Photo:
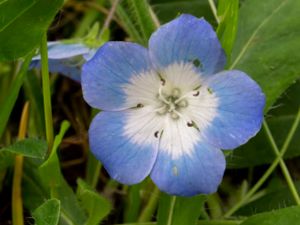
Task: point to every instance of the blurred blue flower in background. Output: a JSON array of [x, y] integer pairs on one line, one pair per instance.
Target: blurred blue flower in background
[[65, 58], [169, 109]]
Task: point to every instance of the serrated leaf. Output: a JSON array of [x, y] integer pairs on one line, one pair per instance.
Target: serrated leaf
[[47, 213], [95, 205], [22, 25], [287, 216], [30, 147], [267, 46]]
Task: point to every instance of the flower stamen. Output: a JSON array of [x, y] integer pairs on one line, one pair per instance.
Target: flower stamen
[[161, 96], [194, 93]]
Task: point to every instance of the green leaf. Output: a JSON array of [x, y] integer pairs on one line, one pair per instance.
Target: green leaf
[[142, 16], [167, 10], [133, 203], [34, 192], [95, 205], [34, 94], [287, 216], [6, 160], [187, 210], [47, 213], [228, 14], [30, 147], [51, 176], [267, 46], [277, 196], [10, 99], [129, 25], [180, 210], [52, 163], [22, 25]]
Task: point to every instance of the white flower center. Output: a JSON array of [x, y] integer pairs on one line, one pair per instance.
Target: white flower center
[[172, 105]]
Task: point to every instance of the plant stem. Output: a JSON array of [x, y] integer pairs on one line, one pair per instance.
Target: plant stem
[[283, 166], [150, 207], [214, 10], [46, 92], [170, 218], [269, 170], [109, 17], [17, 202], [96, 175]]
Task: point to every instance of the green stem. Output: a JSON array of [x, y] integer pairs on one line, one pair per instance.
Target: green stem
[[149, 210], [283, 166], [253, 189], [96, 175], [109, 17], [46, 92], [213, 202], [214, 10], [269, 170], [170, 218]]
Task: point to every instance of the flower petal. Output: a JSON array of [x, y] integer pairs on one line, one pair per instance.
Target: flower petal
[[124, 159], [187, 39], [201, 171], [69, 67], [60, 50], [66, 59], [240, 109], [104, 76]]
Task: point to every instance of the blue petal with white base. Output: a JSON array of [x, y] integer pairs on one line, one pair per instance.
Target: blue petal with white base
[[187, 39], [109, 70], [240, 110], [171, 109], [190, 174], [124, 160]]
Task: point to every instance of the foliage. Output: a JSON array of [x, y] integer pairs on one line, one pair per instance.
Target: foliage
[[65, 185]]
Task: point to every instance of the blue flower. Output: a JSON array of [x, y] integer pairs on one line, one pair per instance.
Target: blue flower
[[65, 58], [169, 109]]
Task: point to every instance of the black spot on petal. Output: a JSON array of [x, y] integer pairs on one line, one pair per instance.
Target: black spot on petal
[[197, 63]]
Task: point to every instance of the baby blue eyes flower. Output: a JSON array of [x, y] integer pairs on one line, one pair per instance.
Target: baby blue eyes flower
[[169, 109], [65, 58]]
